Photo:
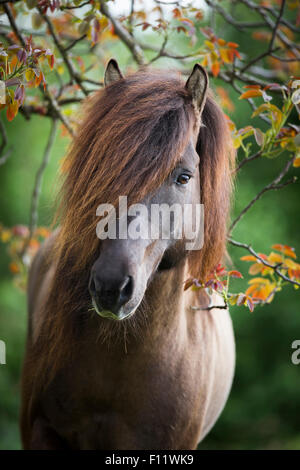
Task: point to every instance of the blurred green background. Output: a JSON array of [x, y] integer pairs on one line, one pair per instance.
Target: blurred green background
[[263, 408]]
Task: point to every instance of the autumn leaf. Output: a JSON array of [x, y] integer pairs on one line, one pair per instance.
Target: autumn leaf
[[248, 258], [250, 94], [42, 232], [285, 249], [275, 258], [249, 303], [29, 75], [236, 274], [255, 268], [20, 231], [14, 268], [177, 13], [241, 299], [261, 289], [215, 69], [233, 45], [226, 102], [259, 137], [192, 282], [225, 56], [188, 283], [12, 110], [291, 264], [50, 59], [296, 162], [5, 235], [210, 45], [270, 108]]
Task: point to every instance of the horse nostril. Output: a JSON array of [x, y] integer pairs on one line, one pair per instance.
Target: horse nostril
[[92, 286], [126, 290], [110, 293]]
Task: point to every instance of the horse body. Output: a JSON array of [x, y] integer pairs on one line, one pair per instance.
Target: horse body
[[162, 389], [155, 374]]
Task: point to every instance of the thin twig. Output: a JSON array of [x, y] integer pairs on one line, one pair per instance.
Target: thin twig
[[130, 27], [51, 100], [72, 72], [276, 25], [264, 262], [74, 7], [229, 19], [124, 35], [211, 307], [246, 160], [55, 110], [73, 43], [283, 38], [6, 156], [284, 59], [38, 184], [161, 51], [258, 58], [274, 185], [13, 24]]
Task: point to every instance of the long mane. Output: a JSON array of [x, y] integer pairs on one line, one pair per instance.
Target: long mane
[[130, 137]]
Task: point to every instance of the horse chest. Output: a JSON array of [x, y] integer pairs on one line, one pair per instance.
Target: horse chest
[[137, 402], [147, 409]]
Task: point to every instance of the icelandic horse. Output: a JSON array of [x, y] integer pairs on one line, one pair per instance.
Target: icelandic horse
[[116, 358]]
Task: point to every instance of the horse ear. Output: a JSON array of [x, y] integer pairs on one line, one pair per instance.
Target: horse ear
[[112, 72], [197, 85]]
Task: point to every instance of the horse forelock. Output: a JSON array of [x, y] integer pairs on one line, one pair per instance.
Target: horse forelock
[[132, 134]]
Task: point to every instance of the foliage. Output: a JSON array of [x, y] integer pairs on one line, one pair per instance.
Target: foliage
[[51, 55], [60, 28]]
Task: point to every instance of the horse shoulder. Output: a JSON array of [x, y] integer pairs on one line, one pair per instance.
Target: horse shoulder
[[220, 370], [40, 275]]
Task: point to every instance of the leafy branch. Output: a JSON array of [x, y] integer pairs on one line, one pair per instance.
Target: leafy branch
[[49, 72]]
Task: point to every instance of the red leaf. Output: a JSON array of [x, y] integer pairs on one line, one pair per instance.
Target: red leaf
[[250, 304], [250, 94], [177, 13], [241, 299], [236, 274], [215, 69]]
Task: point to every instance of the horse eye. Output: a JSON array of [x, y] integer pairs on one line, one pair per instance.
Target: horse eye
[[183, 179]]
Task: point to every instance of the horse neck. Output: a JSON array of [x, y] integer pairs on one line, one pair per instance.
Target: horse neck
[[164, 300]]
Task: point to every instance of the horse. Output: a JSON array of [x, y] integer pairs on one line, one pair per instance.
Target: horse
[[116, 355]]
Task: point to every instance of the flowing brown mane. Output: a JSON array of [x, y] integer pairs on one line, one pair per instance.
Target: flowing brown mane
[[217, 158], [130, 138]]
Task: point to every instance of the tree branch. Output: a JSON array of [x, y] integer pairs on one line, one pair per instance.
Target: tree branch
[[13, 24], [38, 184], [73, 43], [211, 307], [229, 19], [273, 185], [5, 157], [63, 52], [74, 7], [124, 35], [277, 25], [246, 160], [261, 260], [263, 13]]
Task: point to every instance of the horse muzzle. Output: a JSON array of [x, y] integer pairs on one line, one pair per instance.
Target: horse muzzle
[[109, 296]]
